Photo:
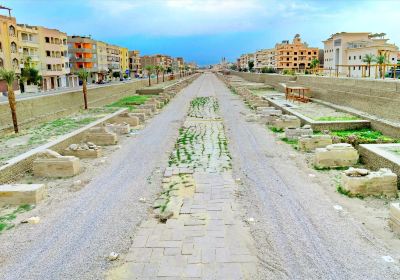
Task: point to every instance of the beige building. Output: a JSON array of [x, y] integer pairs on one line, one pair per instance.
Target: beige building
[[296, 55], [113, 58], [124, 56], [54, 59], [244, 60], [264, 58], [134, 62], [28, 37], [344, 53]]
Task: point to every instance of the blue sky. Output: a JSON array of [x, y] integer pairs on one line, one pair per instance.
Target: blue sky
[[206, 30]]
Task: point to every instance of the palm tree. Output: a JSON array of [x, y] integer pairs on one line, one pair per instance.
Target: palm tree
[[314, 64], [369, 58], [9, 77], [83, 75], [150, 70], [162, 70], [157, 69], [380, 60]]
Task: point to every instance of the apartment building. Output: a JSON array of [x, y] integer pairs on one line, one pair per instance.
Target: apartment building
[[344, 52], [135, 66], [296, 55], [157, 59], [102, 62], [124, 56], [54, 59], [244, 60], [113, 58], [264, 58], [28, 37]]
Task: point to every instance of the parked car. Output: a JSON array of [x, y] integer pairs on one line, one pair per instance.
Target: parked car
[[101, 82]]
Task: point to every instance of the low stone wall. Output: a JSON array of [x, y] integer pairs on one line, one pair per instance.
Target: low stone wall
[[50, 107], [380, 99]]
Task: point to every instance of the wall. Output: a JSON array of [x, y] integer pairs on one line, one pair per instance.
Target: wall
[[376, 97], [34, 110]]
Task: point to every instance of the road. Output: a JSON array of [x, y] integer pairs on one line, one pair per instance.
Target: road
[[299, 235]]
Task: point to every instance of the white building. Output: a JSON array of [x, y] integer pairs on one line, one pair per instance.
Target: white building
[[344, 53], [264, 58]]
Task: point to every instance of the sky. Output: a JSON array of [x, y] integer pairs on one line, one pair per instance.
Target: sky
[[207, 30]]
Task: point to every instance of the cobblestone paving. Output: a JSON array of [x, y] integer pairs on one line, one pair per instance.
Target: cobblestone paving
[[205, 238]]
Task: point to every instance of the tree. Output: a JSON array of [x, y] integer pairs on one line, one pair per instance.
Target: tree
[[380, 60], [83, 75], [150, 70], [233, 67], [116, 74], [169, 69], [157, 68], [187, 69], [251, 65], [369, 58], [9, 77], [314, 64], [162, 70]]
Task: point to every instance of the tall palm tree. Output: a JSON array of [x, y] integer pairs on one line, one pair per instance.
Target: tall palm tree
[[162, 70], [314, 64], [9, 77], [83, 75], [369, 58], [150, 70], [380, 60], [157, 69]]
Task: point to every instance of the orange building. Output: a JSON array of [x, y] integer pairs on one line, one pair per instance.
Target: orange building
[[83, 55], [295, 56]]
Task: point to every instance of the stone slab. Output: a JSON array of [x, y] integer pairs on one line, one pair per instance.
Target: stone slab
[[336, 155], [17, 194], [91, 153], [310, 143], [65, 166]]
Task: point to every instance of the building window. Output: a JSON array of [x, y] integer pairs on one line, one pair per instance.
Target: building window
[[48, 53], [47, 39], [287, 64], [308, 64], [349, 57], [15, 63], [309, 53], [359, 67], [11, 30], [1, 62], [360, 56], [13, 47], [48, 66], [355, 57], [295, 64], [1, 47]]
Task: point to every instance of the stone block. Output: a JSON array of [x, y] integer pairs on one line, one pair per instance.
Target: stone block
[[296, 133], [17, 194], [286, 121], [152, 107], [364, 182], [394, 217], [251, 118], [83, 150], [100, 136], [129, 118], [336, 155], [147, 112], [311, 142], [51, 164], [118, 128]]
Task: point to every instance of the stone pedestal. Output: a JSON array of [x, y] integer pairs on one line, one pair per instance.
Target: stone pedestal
[[394, 221], [152, 107], [296, 133], [83, 150], [118, 128], [286, 121], [147, 112], [17, 194], [311, 142], [51, 164], [100, 136], [335, 155], [129, 118], [364, 182]]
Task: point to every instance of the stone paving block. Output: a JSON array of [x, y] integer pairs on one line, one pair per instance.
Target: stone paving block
[[311, 142], [286, 121], [51, 164], [336, 155], [172, 251], [139, 255], [208, 255], [17, 194], [140, 241], [295, 133], [192, 270], [187, 249], [100, 136], [381, 182]]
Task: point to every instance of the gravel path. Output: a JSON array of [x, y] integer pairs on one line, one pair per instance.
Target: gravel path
[[299, 233], [73, 241]]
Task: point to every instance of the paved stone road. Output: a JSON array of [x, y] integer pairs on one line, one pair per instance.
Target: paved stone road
[[206, 238]]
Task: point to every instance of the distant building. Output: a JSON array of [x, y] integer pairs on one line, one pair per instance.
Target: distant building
[[344, 52], [134, 62], [124, 65], [295, 56], [264, 59], [244, 61]]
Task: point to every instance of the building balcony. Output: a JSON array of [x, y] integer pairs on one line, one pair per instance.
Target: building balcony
[[82, 59], [81, 50]]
